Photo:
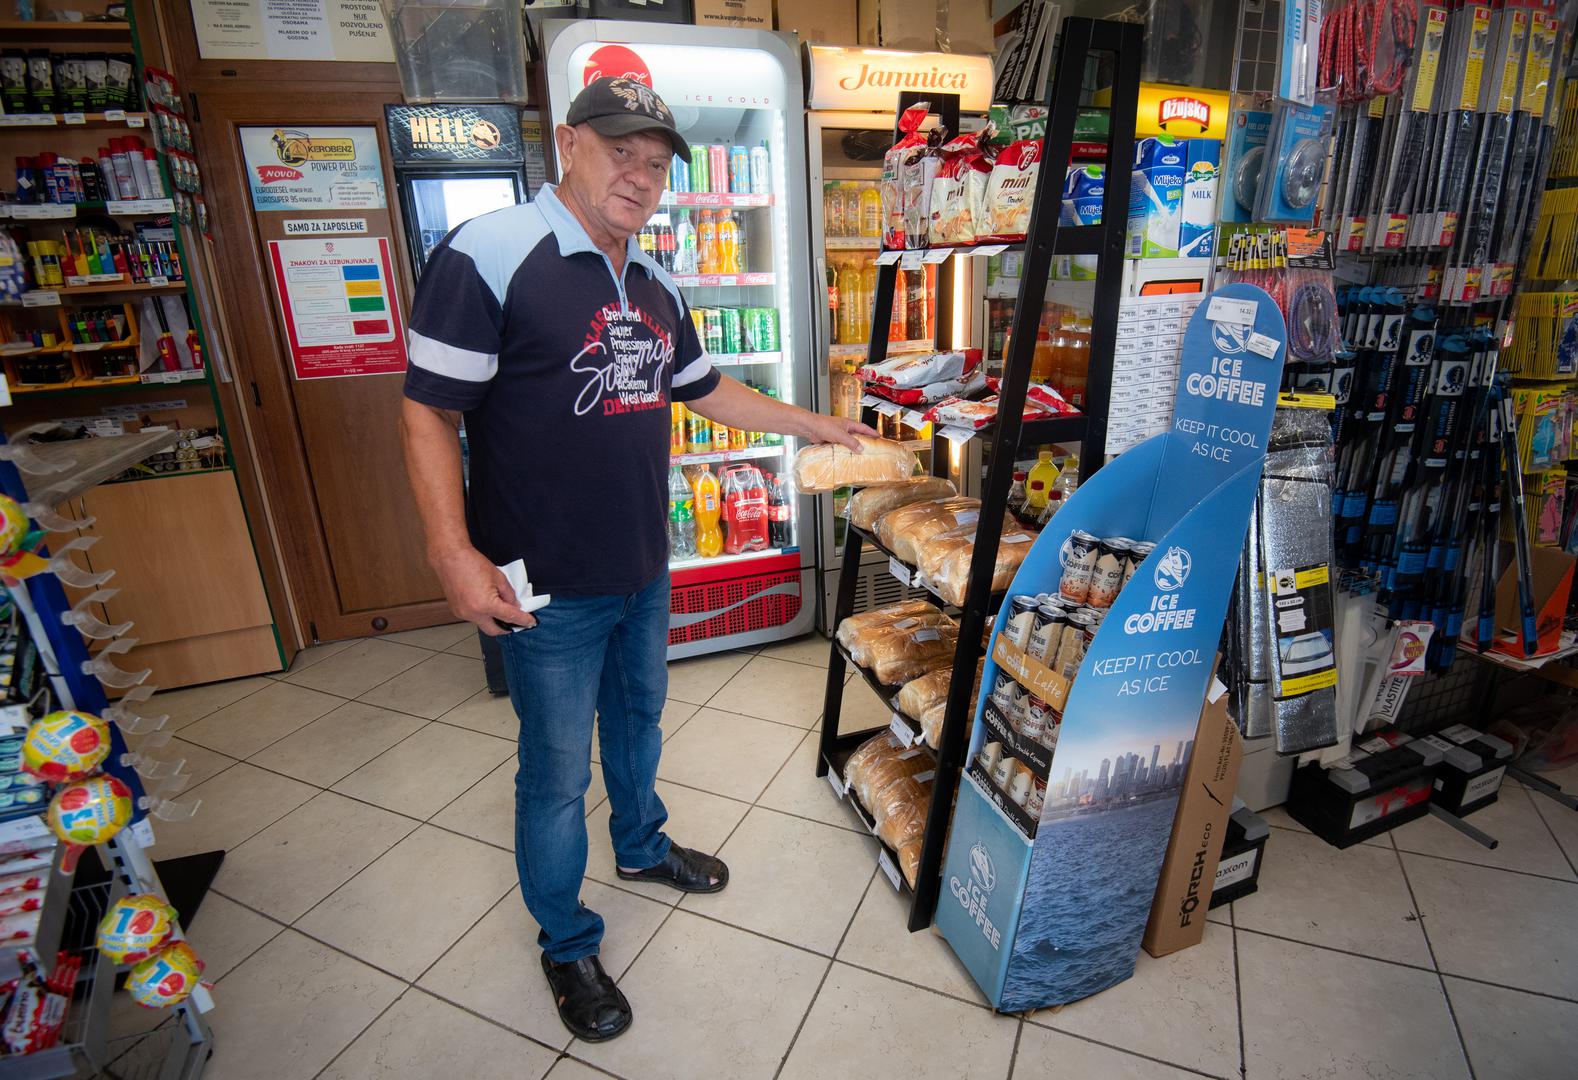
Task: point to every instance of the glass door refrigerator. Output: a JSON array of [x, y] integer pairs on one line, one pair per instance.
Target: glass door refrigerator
[[851, 102], [732, 232], [452, 163]]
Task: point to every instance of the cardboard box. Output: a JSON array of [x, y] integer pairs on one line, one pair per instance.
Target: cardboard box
[[820, 22], [748, 14], [912, 24], [1183, 892], [1552, 579]]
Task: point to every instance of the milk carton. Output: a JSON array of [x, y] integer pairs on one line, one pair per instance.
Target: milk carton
[[1197, 218], [1083, 191], [1156, 198]]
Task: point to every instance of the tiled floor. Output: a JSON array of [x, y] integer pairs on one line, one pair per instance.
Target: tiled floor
[[367, 924]]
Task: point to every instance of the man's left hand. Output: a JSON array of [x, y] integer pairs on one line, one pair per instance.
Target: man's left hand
[[836, 429]]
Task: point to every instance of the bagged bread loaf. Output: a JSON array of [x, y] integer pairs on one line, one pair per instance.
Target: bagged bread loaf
[[865, 644], [909, 861], [884, 742], [868, 504], [931, 722], [829, 466], [920, 694], [945, 560], [884, 768], [856, 625], [900, 810], [901, 656], [903, 530]]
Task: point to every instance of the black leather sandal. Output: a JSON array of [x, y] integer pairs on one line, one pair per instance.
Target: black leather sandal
[[685, 870], [590, 1005]]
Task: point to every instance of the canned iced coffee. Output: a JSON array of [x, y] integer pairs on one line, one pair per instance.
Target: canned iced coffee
[[1033, 724], [1021, 620], [989, 756], [1037, 798], [1009, 698], [1003, 771], [1107, 577], [1071, 650], [1138, 553], [1079, 564], [1020, 784], [1046, 632]]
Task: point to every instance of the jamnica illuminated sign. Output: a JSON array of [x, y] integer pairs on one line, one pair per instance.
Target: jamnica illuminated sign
[[934, 79], [844, 78]]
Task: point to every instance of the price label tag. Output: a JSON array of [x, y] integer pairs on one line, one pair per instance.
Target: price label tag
[[1265, 346], [41, 298], [40, 211], [914, 418], [158, 281], [900, 571], [136, 120], [836, 783], [988, 250], [28, 120], [937, 255], [957, 435], [172, 376], [74, 118], [888, 869], [114, 114], [1225, 309], [869, 401], [143, 831], [911, 260], [888, 257], [89, 346], [901, 730], [888, 408]]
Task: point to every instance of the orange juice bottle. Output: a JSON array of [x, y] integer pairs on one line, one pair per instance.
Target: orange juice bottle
[[728, 244], [1041, 358], [678, 429], [709, 534]]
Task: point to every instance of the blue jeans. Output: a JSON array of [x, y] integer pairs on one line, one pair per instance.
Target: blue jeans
[[588, 655]]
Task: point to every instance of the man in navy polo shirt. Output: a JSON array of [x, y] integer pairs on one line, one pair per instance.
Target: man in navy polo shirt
[[562, 345]]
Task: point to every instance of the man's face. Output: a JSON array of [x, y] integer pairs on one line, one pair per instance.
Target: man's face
[[619, 181]]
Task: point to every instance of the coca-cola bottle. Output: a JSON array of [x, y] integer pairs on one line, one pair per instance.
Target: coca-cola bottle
[[778, 528]]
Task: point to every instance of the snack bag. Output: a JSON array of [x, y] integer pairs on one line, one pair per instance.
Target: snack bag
[[918, 172], [954, 209], [1011, 190], [891, 187]]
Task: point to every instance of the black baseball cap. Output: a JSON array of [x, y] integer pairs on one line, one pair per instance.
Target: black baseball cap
[[616, 107]]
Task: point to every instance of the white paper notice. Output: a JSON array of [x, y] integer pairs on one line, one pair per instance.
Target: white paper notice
[[292, 30], [1225, 309], [1265, 346]]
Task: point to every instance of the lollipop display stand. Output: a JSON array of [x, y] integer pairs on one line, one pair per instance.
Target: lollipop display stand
[[109, 810]]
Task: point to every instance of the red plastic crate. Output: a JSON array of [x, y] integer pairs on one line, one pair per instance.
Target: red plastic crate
[[734, 598]]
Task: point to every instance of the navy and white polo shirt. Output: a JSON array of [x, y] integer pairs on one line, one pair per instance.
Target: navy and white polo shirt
[[565, 374]]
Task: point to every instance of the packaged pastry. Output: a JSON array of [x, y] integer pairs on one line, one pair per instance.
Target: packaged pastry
[[829, 466], [891, 186], [856, 625], [972, 382], [958, 194], [910, 370], [917, 170], [946, 558], [868, 504], [902, 531], [1011, 190], [900, 656]]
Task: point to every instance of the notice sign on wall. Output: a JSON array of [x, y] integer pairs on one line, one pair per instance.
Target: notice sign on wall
[[313, 168], [291, 30], [338, 300]]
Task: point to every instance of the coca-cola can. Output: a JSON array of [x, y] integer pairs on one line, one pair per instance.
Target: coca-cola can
[[1079, 564]]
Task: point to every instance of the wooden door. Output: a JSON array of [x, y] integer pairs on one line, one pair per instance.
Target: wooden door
[[329, 447]]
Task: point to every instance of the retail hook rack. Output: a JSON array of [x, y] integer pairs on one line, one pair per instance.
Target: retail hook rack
[[1082, 40]]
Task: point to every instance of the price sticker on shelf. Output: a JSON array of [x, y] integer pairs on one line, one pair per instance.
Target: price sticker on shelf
[[871, 401], [911, 260], [136, 120], [41, 298], [986, 251], [115, 114], [900, 727], [937, 255], [888, 257], [836, 782], [888, 408], [73, 118], [957, 435], [1225, 309], [900, 571], [171, 376], [890, 871], [158, 281], [914, 418]]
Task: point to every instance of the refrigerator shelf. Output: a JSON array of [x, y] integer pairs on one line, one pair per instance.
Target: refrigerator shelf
[[737, 359], [698, 281], [861, 348], [853, 243], [714, 198], [724, 560], [747, 454]]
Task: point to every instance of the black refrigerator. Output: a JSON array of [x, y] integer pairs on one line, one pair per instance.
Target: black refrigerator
[[454, 162]]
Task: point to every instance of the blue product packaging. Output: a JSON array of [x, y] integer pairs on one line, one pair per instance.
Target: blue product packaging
[[1083, 192], [1156, 198], [1246, 152], [1197, 220]]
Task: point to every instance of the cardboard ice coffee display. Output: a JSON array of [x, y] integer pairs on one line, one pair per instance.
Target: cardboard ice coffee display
[[1050, 907]]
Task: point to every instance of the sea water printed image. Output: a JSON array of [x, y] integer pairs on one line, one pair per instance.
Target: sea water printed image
[[1099, 848]]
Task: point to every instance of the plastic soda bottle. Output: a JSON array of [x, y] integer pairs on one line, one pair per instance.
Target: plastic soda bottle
[[681, 516], [870, 211], [728, 256], [709, 534], [707, 244], [1038, 484], [745, 508]]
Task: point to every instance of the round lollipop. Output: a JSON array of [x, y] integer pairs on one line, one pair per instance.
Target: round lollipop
[[86, 812], [166, 977], [65, 745], [135, 927], [14, 525]]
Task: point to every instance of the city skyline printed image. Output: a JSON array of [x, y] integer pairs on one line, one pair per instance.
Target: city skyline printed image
[[1121, 778]]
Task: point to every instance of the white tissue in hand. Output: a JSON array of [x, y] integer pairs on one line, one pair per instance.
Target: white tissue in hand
[[515, 572]]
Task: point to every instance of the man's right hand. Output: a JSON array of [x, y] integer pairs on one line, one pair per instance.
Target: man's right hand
[[478, 591]]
